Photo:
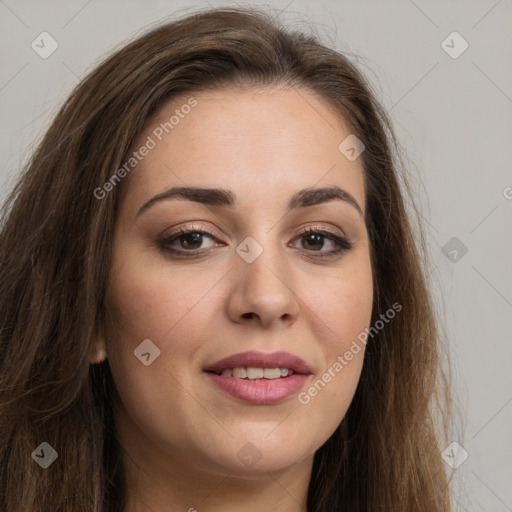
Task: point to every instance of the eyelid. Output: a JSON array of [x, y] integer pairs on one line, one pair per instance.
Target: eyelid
[[305, 229], [322, 229], [186, 228]]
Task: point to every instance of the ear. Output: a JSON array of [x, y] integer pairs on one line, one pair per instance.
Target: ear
[[100, 347], [100, 351]]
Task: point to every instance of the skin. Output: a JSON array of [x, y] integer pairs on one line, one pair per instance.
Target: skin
[[180, 434]]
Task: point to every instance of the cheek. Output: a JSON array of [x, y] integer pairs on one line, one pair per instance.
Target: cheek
[[174, 309], [341, 303], [154, 301], [342, 310], [166, 306]]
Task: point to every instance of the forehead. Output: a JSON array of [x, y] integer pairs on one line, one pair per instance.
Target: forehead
[[258, 142]]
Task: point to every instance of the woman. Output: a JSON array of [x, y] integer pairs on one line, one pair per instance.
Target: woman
[[212, 297]]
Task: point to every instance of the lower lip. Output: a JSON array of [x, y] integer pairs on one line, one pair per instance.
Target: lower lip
[[260, 391]]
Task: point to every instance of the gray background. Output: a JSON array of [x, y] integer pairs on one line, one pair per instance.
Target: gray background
[[452, 115]]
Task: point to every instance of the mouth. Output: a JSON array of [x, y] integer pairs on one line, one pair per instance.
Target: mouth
[[259, 378]]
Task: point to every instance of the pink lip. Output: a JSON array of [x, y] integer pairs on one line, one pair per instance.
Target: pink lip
[[260, 360], [260, 391]]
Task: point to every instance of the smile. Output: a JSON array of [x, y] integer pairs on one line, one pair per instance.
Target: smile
[[259, 378]]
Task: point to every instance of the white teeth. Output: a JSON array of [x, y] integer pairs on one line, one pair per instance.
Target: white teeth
[[240, 373], [252, 373], [271, 373]]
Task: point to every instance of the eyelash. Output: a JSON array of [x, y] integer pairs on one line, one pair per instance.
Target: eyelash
[[342, 243]]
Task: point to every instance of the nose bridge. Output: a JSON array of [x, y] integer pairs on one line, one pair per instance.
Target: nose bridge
[[264, 280], [263, 263]]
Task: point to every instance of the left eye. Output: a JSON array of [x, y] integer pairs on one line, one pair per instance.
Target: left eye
[[315, 240]]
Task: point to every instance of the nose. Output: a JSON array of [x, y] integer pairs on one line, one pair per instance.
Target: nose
[[262, 291]]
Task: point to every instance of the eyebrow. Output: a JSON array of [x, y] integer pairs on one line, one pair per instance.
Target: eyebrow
[[223, 197]]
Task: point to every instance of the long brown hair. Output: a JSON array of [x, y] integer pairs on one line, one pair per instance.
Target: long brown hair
[[55, 249]]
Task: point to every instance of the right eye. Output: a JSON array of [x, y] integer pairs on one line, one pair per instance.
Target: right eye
[[186, 241]]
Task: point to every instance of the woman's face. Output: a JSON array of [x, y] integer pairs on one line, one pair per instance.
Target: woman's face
[[245, 282]]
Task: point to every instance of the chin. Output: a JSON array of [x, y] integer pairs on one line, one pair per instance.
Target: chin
[[260, 463], [256, 454]]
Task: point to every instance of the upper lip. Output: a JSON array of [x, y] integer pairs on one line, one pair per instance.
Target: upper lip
[[260, 360]]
